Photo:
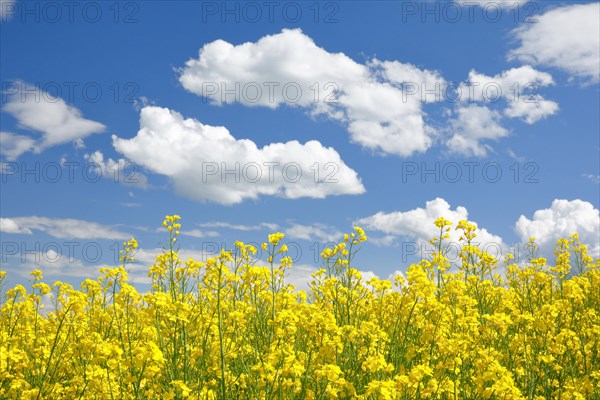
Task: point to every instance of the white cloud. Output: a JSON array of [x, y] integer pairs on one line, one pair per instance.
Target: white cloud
[[562, 219], [384, 241], [316, 233], [378, 114], [196, 158], [419, 223], [427, 85], [8, 225], [474, 120], [240, 227], [58, 122], [197, 233], [368, 275], [380, 102], [472, 125], [518, 87], [121, 171], [12, 146], [142, 102], [567, 38], [592, 177], [145, 258], [51, 263], [79, 144], [299, 275], [67, 228]]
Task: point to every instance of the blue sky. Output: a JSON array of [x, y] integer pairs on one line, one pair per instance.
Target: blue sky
[[420, 105]]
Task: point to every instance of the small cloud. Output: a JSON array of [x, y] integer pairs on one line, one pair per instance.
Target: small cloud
[[123, 171], [130, 205], [197, 233], [79, 144], [240, 227], [39, 111], [515, 156], [592, 177], [562, 219], [316, 232], [8, 225], [472, 125], [62, 228], [142, 102], [12, 146]]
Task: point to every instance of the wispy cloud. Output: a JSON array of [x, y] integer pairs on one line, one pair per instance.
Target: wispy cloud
[[55, 120], [63, 228]]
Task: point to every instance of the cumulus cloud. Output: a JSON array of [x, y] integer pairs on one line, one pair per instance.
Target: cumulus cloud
[[199, 160], [474, 122], [471, 125], [562, 219], [39, 111], [121, 171], [518, 87], [418, 224], [567, 38], [380, 102], [66, 228], [289, 68], [428, 86]]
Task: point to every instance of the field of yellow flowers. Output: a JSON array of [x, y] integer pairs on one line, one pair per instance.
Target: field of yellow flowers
[[229, 329]]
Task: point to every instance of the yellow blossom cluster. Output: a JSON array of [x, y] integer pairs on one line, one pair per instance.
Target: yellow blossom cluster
[[231, 328]]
